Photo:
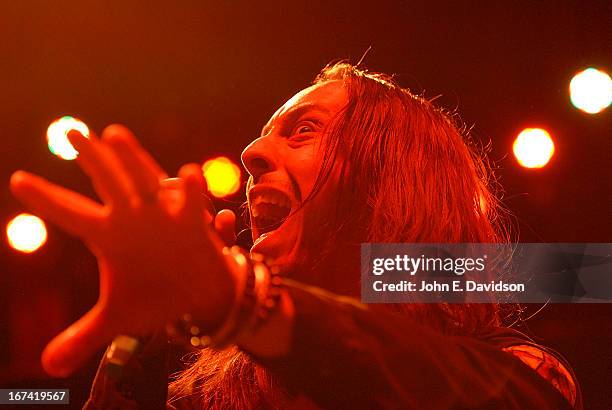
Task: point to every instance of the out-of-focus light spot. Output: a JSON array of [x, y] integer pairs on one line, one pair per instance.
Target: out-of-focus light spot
[[222, 176], [57, 136], [591, 90], [26, 233], [533, 147]]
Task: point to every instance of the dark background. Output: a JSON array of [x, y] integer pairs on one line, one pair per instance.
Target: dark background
[[198, 79]]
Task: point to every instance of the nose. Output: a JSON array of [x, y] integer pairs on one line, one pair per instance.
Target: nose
[[259, 157]]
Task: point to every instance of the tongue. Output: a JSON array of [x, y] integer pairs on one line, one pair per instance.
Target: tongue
[[270, 217]]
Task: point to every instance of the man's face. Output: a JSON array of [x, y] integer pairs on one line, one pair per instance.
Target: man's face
[[284, 164]]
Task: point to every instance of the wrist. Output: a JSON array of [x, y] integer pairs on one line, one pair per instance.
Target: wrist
[[260, 308], [210, 302]]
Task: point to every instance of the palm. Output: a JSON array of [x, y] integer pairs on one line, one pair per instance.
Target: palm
[[156, 252]]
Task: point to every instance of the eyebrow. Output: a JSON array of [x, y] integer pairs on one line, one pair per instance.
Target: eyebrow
[[294, 113]]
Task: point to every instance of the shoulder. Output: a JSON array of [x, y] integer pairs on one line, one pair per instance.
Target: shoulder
[[548, 363], [549, 366]]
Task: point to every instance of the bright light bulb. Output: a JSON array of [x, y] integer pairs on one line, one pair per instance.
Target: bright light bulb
[[591, 90], [533, 147], [222, 176], [57, 136], [26, 233]]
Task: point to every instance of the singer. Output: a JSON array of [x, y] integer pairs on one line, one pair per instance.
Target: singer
[[353, 158]]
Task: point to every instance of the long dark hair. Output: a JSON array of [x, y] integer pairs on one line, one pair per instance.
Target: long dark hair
[[409, 173]]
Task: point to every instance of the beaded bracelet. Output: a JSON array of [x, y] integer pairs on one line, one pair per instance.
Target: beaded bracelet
[[270, 292], [257, 298]]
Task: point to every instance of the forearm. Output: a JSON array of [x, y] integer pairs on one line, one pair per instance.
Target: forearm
[[340, 353], [273, 338]]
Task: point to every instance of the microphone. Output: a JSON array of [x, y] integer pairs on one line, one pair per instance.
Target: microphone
[[244, 239]]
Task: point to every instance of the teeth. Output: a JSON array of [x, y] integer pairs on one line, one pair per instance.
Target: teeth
[[259, 210], [272, 198]]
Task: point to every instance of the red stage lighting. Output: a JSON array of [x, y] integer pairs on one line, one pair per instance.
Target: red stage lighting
[[222, 176], [26, 233], [57, 136], [591, 91], [533, 147]]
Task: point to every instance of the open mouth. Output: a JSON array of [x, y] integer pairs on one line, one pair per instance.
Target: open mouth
[[269, 209]]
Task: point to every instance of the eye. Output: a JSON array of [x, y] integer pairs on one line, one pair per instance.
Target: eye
[[304, 127]]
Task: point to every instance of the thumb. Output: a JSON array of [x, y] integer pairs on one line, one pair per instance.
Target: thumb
[[71, 349], [225, 225]]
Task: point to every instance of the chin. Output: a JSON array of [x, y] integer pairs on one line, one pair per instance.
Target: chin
[[280, 246]]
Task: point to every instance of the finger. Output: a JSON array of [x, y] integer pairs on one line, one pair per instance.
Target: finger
[[107, 175], [69, 210], [71, 349], [139, 165], [225, 225], [194, 186], [171, 183], [208, 206], [172, 194]]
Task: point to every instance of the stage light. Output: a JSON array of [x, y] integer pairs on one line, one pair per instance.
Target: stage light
[[26, 233], [222, 176], [57, 136], [533, 147], [591, 90]]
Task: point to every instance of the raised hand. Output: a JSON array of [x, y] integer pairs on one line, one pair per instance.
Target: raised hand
[[157, 254]]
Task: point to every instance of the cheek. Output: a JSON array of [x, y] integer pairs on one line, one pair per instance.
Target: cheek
[[305, 168]]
